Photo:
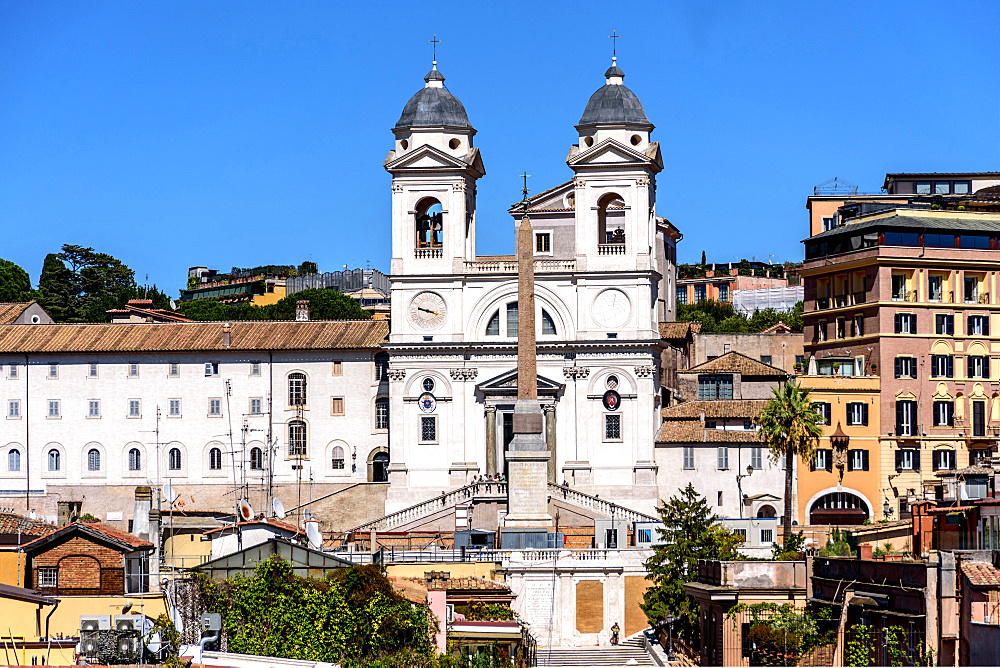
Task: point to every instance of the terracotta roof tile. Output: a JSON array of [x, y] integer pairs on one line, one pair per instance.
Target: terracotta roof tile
[[113, 533], [270, 521], [9, 525], [736, 408], [678, 330], [11, 311], [693, 431], [734, 362], [194, 336], [981, 574]]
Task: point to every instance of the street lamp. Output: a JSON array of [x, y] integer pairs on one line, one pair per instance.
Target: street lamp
[[739, 485], [669, 621]]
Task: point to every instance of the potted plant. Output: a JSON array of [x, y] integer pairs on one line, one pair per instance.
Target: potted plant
[[874, 368], [836, 368], [798, 367]]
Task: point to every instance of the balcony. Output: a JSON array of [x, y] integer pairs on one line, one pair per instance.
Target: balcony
[[840, 301], [610, 249], [510, 266], [858, 297], [905, 296], [822, 303], [428, 253]]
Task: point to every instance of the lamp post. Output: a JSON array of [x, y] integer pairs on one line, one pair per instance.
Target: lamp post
[[669, 621], [739, 485]]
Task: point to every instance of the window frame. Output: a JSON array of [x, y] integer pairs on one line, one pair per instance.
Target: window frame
[[50, 459], [93, 409], [857, 459], [53, 371], [135, 404], [609, 419], [942, 366], [757, 455], [94, 463], [977, 366], [380, 414], [911, 364], [256, 402], [214, 402], [826, 454], [425, 422], [215, 458], [856, 414], [825, 410], [170, 408], [175, 459], [93, 370], [211, 369], [133, 369], [173, 369], [722, 458], [298, 447], [47, 577], [905, 323], [337, 406], [944, 324], [134, 459], [298, 389], [334, 460], [943, 408], [543, 239], [57, 413], [687, 458], [255, 367], [13, 409]]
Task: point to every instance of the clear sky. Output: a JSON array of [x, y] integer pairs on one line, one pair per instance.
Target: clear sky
[[180, 133]]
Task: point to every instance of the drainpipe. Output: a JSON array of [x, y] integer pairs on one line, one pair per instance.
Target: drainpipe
[[47, 636], [204, 641], [27, 437]]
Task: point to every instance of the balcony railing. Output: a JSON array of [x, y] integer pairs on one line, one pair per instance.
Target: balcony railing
[[610, 249], [905, 296], [858, 297], [822, 303], [510, 266], [840, 301], [428, 253], [908, 430]]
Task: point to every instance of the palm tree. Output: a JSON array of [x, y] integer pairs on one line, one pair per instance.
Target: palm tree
[[789, 426]]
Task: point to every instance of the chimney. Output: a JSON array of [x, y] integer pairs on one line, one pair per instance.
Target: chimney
[[226, 337], [302, 310]]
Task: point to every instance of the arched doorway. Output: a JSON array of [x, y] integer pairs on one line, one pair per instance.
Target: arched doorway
[[378, 465], [839, 508], [766, 512]]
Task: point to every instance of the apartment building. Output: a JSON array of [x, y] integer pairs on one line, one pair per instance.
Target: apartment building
[[911, 295]]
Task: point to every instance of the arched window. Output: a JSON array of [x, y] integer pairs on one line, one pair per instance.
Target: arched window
[[338, 459], [429, 228], [296, 389], [381, 367], [215, 459], [382, 413], [548, 324], [766, 511], [493, 328], [134, 459], [296, 438], [838, 508], [611, 219], [94, 460], [256, 459], [54, 463], [174, 459], [14, 460]]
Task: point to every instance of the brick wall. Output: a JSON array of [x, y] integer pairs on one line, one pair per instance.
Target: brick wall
[[85, 568]]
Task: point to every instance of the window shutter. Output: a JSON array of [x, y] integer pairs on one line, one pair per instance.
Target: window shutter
[[897, 322], [829, 460], [864, 459], [986, 325], [850, 460], [899, 458], [916, 460], [899, 414], [970, 366], [864, 416], [951, 366], [899, 367]]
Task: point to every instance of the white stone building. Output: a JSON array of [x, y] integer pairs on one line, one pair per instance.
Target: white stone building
[[604, 279], [191, 403]]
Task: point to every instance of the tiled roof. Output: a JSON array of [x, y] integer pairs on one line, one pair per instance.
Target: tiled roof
[[913, 218], [693, 431], [981, 574], [776, 328], [193, 336], [124, 539], [736, 408], [678, 330], [9, 312], [9, 525], [734, 362], [270, 521]]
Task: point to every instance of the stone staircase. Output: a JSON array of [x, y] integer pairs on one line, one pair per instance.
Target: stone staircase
[[629, 650]]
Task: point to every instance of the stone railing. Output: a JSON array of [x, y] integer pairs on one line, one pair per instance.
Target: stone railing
[[510, 266], [427, 253], [435, 504], [610, 249], [600, 505]]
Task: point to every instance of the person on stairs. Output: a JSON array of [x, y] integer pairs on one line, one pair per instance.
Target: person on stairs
[[614, 634]]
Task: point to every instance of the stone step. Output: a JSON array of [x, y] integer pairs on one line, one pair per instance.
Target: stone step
[[593, 657]]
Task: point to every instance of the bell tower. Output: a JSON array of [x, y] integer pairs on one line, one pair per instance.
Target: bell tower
[[434, 168]]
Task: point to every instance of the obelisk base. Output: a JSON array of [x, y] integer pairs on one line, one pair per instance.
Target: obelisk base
[[527, 522]]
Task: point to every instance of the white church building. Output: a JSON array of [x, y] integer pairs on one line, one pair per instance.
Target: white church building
[[604, 279]]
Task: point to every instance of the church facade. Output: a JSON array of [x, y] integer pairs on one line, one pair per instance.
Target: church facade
[[604, 279]]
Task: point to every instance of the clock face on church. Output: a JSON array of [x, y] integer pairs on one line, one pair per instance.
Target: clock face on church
[[428, 310], [612, 308]]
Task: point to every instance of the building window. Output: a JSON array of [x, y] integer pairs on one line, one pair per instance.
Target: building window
[[337, 367], [296, 389], [942, 366], [906, 367], [296, 438], [682, 294], [971, 292], [821, 330], [961, 188], [215, 459], [174, 370], [54, 463], [979, 325], [92, 370], [54, 410], [939, 240], [14, 460], [857, 460], [944, 460], [944, 413], [53, 370], [382, 413], [857, 413], [134, 460], [907, 460], [14, 408], [256, 406], [979, 366], [718, 498], [429, 224], [935, 284], [767, 536], [906, 417], [94, 408], [766, 359], [757, 458], [93, 459], [133, 369], [543, 242], [48, 578], [944, 324], [859, 325], [906, 323], [823, 408], [723, 459], [801, 360], [381, 367], [427, 384], [215, 407], [336, 406], [134, 408], [211, 369], [337, 464], [723, 293], [612, 427], [699, 293], [715, 386], [548, 324], [898, 287], [841, 328], [644, 536], [174, 409], [688, 457], [493, 327], [174, 459], [428, 428], [923, 187], [822, 461], [256, 459], [512, 319], [12, 372]]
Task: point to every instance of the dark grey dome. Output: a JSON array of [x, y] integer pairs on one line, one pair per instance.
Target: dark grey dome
[[614, 103], [433, 106]]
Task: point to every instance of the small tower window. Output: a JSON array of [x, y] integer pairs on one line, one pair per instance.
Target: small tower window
[[454, 143], [430, 233], [611, 219]]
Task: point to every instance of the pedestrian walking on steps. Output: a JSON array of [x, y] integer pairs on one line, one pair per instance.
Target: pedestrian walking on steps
[[614, 634]]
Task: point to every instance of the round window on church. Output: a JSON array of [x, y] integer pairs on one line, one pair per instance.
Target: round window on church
[[404, 144], [428, 384], [454, 143], [636, 140], [589, 141], [612, 382]]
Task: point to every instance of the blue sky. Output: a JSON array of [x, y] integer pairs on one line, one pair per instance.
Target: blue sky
[[240, 133]]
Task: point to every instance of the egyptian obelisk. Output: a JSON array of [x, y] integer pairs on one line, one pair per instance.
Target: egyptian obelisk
[[527, 521]]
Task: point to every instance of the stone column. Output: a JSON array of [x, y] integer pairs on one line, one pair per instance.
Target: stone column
[[491, 440], [550, 437]]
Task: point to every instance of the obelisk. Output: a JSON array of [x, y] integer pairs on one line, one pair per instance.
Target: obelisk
[[527, 522]]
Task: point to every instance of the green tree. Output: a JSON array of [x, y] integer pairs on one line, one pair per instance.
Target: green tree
[[324, 304], [15, 284], [789, 427], [56, 289], [308, 267], [703, 263], [690, 532]]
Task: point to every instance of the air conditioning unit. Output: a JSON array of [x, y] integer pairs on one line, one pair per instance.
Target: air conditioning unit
[[449, 615], [89, 643], [128, 622], [95, 622], [128, 646]]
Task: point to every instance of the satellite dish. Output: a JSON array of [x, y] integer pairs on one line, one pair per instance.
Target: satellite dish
[[246, 511], [315, 537], [173, 305], [170, 493], [307, 514], [278, 507]]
